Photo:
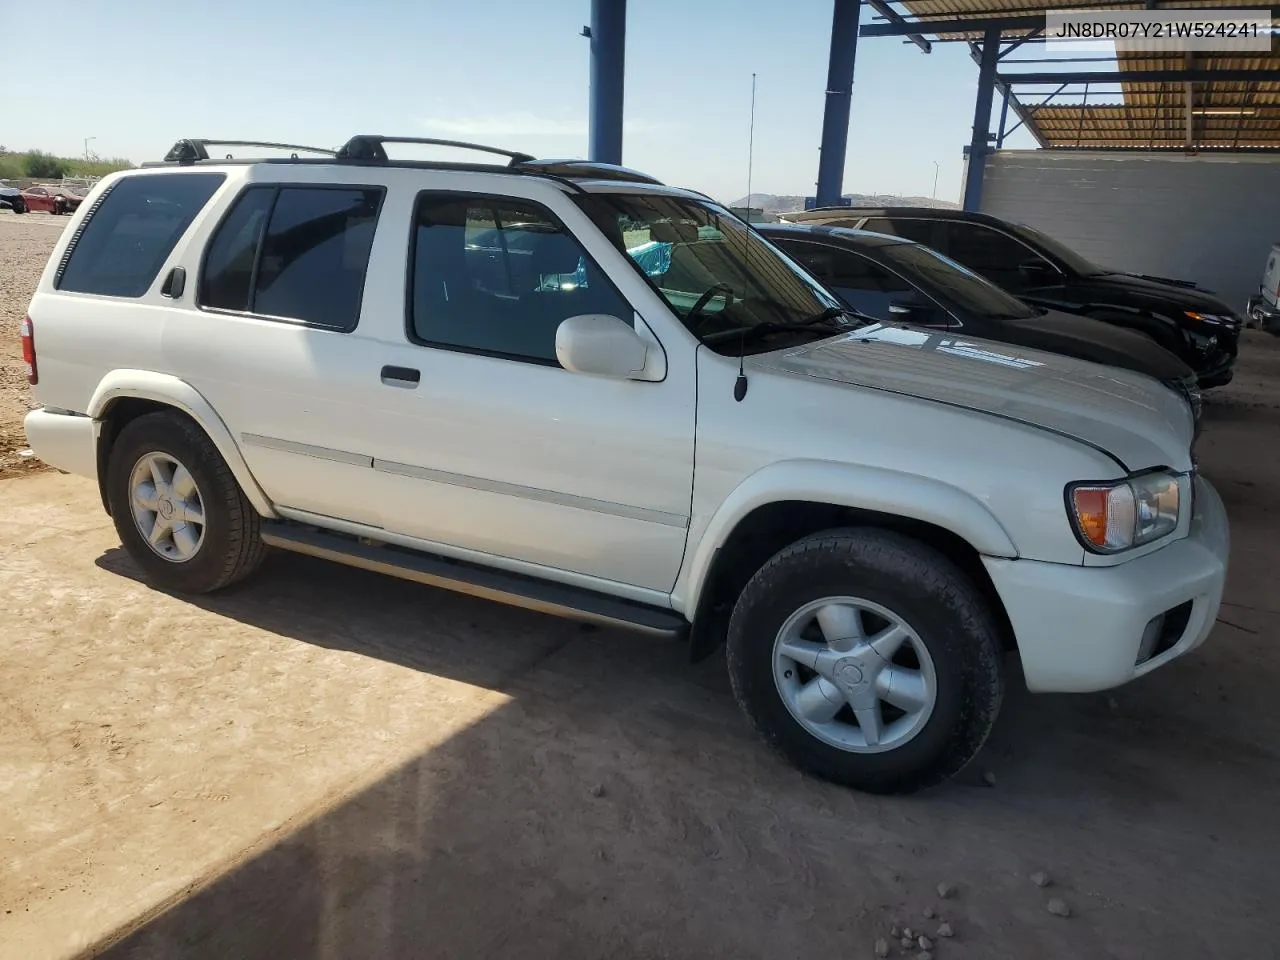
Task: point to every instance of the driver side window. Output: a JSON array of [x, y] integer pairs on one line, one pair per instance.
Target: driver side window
[[866, 286], [992, 254], [498, 276]]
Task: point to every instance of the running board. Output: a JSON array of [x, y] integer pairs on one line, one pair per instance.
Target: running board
[[557, 599]]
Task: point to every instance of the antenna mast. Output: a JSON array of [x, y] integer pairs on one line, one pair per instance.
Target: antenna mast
[[740, 385], [751, 144]]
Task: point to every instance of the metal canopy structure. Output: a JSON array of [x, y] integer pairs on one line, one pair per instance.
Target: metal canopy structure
[[607, 32], [1140, 101], [1186, 102]]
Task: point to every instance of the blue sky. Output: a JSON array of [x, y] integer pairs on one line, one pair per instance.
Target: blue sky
[[507, 72]]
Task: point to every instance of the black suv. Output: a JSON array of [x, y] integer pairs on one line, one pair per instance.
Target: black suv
[[1198, 327]]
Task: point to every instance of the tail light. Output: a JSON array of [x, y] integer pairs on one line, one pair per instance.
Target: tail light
[[29, 350]]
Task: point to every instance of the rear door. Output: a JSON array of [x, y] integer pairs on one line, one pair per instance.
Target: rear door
[[275, 341]]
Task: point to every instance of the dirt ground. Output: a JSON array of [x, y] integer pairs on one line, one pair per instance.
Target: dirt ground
[[326, 763], [25, 244]]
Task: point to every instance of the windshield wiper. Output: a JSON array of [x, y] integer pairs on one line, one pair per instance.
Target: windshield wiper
[[764, 328], [857, 318]]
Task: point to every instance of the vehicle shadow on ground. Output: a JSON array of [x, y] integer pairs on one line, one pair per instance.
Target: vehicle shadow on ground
[[619, 806]]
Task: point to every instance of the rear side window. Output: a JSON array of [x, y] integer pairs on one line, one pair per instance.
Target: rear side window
[[126, 239], [921, 231], [295, 253]]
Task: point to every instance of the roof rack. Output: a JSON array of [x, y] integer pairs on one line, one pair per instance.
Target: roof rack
[[587, 168], [369, 147], [189, 151]]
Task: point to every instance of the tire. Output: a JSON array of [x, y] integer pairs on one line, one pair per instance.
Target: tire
[[951, 640], [19, 206], [228, 543]]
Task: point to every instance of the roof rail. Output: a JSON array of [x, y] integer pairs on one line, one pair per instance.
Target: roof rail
[[587, 168], [189, 151], [369, 147]]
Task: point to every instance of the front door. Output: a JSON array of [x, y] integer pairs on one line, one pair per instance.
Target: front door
[[484, 442]]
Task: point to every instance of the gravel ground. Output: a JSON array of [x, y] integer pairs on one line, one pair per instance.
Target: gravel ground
[[25, 244], [327, 763]]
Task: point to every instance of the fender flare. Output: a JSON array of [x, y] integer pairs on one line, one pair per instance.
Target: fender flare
[[926, 499], [173, 392]]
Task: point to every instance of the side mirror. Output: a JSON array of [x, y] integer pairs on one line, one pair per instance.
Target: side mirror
[[602, 345], [906, 310]]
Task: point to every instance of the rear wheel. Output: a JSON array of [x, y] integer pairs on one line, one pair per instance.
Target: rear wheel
[[867, 658], [177, 508]]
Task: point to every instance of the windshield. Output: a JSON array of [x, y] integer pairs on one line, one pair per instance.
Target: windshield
[[716, 273], [955, 283], [1057, 249]]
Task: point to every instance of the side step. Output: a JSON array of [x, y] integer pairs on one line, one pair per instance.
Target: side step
[[515, 589]]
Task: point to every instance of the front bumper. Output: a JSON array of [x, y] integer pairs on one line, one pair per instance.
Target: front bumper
[[68, 441], [1215, 362], [1264, 315], [1082, 628]]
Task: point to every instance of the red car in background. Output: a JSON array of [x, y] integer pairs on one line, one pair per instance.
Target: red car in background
[[51, 200]]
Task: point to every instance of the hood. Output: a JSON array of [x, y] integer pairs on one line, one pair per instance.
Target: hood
[[9, 191], [1131, 417], [1093, 340], [1172, 297]]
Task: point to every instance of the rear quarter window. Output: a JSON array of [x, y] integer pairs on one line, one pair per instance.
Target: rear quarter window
[[130, 232]]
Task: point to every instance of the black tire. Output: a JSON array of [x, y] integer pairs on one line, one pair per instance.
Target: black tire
[[232, 546], [19, 205], [917, 583]]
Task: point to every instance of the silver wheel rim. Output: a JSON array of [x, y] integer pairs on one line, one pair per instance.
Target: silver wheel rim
[[167, 507], [854, 674]]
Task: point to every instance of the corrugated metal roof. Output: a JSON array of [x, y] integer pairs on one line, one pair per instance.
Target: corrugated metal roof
[[1152, 128], [1153, 115]]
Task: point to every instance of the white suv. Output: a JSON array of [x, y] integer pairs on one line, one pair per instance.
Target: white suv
[[567, 386]]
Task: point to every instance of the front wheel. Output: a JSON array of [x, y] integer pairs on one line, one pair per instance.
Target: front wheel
[[867, 658]]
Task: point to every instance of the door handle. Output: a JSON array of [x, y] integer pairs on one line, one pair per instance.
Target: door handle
[[401, 376]]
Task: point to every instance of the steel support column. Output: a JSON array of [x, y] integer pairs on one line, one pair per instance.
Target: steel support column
[[835, 117], [1004, 119], [978, 147], [608, 33]]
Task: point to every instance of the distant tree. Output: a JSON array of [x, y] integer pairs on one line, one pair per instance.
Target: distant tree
[[43, 166]]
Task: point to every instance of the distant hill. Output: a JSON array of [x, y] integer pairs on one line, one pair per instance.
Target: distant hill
[[774, 204]]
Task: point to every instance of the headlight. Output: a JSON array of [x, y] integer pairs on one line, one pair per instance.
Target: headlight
[[1213, 319], [1110, 517]]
